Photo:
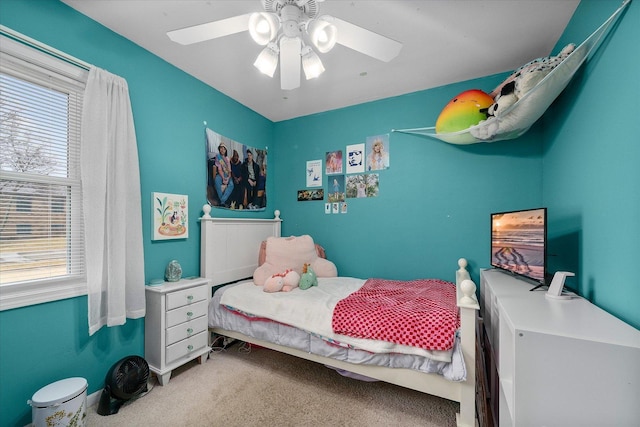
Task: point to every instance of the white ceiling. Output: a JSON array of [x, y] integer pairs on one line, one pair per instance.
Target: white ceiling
[[444, 41]]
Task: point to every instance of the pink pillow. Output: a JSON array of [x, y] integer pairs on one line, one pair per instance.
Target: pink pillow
[[262, 255], [282, 253]]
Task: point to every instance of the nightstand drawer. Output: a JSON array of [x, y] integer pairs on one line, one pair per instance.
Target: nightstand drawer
[[186, 313], [185, 297], [187, 329], [186, 347]]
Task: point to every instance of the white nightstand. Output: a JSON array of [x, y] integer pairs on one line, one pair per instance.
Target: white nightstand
[[175, 329]]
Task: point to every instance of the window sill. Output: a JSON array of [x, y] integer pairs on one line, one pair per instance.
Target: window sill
[[22, 295]]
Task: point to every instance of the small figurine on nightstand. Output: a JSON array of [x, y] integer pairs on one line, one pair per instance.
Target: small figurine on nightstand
[[173, 272]]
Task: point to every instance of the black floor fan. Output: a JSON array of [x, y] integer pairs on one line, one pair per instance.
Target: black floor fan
[[126, 380]]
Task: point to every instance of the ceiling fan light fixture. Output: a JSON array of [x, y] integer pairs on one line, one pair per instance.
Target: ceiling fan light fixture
[[285, 28], [311, 63], [263, 27], [323, 33], [267, 60]]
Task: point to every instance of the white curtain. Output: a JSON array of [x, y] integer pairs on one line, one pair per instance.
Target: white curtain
[[111, 203]]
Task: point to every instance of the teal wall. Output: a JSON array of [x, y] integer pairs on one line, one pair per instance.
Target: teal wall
[[590, 165], [434, 200], [48, 342]]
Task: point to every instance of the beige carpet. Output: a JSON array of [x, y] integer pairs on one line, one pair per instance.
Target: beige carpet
[[266, 388]]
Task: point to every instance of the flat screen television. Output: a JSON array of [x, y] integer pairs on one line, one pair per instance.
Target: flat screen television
[[519, 243]]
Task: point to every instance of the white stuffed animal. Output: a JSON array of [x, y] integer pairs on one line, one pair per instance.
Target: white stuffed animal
[[525, 78], [502, 118], [282, 282], [503, 100]]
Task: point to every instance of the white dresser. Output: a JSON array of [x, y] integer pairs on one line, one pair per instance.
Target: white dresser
[[558, 362], [175, 329]]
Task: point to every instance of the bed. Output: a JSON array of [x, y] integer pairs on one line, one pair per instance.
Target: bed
[[229, 256]]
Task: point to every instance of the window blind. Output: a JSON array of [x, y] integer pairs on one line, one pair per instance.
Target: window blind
[[41, 226]]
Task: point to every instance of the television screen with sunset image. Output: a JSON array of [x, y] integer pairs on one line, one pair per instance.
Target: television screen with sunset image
[[519, 242]]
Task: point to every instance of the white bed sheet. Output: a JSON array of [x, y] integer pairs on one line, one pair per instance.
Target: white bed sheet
[[317, 343], [311, 310]]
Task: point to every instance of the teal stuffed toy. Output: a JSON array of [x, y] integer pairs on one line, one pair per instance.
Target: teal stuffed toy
[[308, 278]]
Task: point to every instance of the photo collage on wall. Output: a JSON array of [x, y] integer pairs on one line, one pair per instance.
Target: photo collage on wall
[[348, 174]]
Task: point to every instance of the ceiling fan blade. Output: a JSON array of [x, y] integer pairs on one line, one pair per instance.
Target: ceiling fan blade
[[290, 62], [365, 41], [210, 30]]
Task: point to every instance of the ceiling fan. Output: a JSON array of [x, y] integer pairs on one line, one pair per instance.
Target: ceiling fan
[[289, 29]]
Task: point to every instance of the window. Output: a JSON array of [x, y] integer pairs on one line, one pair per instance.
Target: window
[[58, 204], [23, 204], [23, 229], [41, 226]]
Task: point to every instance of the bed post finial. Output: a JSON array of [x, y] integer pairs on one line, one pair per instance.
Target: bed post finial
[[206, 208], [468, 289], [276, 214], [462, 273]]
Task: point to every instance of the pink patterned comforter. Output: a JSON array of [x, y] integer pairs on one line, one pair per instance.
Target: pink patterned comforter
[[419, 313]]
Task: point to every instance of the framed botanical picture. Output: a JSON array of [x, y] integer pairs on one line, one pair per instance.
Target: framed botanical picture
[[170, 216]]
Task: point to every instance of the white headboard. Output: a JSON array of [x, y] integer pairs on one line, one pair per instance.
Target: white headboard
[[229, 247]]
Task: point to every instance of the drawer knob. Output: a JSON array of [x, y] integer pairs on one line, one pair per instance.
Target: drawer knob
[[189, 297], [189, 313], [189, 347], [189, 331]]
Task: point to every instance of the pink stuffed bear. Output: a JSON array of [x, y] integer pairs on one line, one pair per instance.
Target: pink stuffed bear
[[284, 282], [291, 253]]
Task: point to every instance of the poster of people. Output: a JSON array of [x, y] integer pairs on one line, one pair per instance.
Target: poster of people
[[236, 174]]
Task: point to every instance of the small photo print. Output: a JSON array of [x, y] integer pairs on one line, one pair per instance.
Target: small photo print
[[355, 158], [314, 173], [333, 162], [327, 208], [343, 207], [306, 195], [362, 185], [335, 188], [335, 207], [377, 152]]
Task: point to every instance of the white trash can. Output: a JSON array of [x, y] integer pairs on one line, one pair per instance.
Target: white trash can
[[62, 403]]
